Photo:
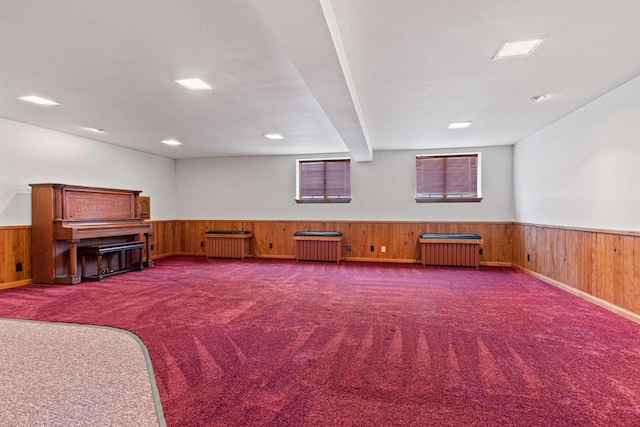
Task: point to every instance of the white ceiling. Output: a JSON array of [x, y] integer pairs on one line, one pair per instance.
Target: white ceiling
[[332, 75]]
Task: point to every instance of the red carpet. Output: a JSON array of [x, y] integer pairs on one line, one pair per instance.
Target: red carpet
[[280, 343]]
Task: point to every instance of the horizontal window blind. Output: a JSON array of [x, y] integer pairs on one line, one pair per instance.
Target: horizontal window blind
[[324, 180], [447, 177], [311, 179]]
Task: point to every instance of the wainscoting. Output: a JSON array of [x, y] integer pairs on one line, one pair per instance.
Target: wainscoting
[[599, 263], [274, 239], [15, 248], [164, 241]]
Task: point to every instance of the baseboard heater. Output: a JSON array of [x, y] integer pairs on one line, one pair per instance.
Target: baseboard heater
[[318, 245], [228, 243], [452, 250]]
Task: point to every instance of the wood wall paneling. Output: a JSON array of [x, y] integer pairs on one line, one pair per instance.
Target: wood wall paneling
[[603, 264], [274, 239], [15, 247], [164, 239], [600, 263]]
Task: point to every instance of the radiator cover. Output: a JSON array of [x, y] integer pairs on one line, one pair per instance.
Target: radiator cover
[[310, 248], [228, 245], [450, 252]]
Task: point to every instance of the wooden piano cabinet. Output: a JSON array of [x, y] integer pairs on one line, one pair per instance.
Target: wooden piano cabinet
[[145, 207], [66, 218]]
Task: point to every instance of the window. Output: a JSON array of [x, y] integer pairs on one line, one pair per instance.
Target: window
[[324, 181], [448, 178]]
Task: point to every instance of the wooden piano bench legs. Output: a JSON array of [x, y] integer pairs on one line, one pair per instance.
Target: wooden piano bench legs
[[118, 248]]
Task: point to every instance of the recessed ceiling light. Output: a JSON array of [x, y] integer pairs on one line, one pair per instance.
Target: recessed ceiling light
[[516, 48], [38, 100], [96, 130], [273, 136], [538, 98], [171, 142], [459, 125], [194, 84]]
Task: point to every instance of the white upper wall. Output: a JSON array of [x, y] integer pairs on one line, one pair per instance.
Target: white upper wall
[[263, 188], [31, 154], [584, 170]]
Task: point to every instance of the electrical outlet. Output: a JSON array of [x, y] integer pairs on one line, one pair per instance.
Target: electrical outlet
[[383, 248], [528, 258], [270, 245], [480, 251], [202, 244], [348, 247], [372, 248], [18, 266]]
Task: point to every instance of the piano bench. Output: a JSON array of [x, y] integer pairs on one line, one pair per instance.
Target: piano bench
[[99, 250]]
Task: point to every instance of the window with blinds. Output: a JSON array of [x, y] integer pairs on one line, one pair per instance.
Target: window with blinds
[[324, 181], [448, 178]]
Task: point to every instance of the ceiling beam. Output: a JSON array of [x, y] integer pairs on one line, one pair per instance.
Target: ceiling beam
[[307, 32]]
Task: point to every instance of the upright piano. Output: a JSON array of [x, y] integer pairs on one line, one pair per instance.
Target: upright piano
[[67, 218]]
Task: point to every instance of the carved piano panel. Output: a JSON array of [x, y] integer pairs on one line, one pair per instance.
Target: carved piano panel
[[91, 205], [68, 217]]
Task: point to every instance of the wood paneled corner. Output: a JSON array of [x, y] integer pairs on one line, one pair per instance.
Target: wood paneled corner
[[15, 253], [600, 263], [165, 238]]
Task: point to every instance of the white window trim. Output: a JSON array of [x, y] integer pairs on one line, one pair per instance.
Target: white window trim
[[456, 154], [319, 159]]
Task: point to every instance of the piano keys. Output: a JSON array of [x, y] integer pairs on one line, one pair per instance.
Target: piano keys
[[67, 217]]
